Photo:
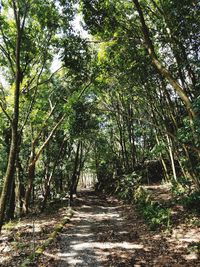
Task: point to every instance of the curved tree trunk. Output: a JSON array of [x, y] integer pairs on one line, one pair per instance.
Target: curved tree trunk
[[158, 65], [32, 163]]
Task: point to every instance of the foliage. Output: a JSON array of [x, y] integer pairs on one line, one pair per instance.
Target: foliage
[[82, 119], [186, 195], [181, 187], [194, 247], [153, 212], [191, 202], [126, 186], [123, 116]]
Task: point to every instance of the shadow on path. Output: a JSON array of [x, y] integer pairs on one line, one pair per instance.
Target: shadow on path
[[104, 232]]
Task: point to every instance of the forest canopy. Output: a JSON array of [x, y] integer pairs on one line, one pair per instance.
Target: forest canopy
[[120, 103]]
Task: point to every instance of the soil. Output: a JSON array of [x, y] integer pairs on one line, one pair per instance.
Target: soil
[[20, 238], [104, 232]]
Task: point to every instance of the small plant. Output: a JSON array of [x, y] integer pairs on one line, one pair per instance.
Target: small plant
[[196, 222], [194, 247], [181, 187], [153, 212], [127, 185], [156, 215], [191, 201], [141, 196], [10, 225]]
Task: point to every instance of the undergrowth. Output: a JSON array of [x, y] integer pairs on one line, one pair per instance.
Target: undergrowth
[[186, 195], [126, 186], [130, 190], [156, 215]]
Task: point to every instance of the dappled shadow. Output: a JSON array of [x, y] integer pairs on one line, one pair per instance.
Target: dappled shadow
[[159, 192], [20, 237], [104, 232]]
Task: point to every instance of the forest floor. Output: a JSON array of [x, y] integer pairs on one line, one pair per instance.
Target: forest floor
[[106, 232]]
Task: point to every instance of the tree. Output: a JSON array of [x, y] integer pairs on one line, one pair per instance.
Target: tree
[[151, 71], [27, 40]]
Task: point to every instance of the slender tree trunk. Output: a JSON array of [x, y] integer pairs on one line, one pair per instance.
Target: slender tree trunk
[[32, 163], [20, 190], [160, 68], [175, 42], [74, 175], [80, 167], [9, 176], [165, 170], [170, 148], [10, 212], [122, 141], [50, 177], [131, 137], [29, 187], [61, 183]]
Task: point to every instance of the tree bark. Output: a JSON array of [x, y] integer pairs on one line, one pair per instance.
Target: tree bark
[[20, 190], [32, 164], [9, 176], [170, 149], [10, 211], [158, 65], [74, 175]]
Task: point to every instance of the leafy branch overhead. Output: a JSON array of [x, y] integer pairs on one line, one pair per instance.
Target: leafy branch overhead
[[98, 93]]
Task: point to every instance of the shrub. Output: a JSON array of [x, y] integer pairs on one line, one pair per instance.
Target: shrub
[[182, 186], [191, 201], [153, 212], [127, 185]]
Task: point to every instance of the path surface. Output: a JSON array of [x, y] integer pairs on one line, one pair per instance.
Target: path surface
[[105, 232]]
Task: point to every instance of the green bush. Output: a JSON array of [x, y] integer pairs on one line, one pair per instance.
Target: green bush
[[153, 212], [191, 201], [141, 196], [186, 194], [182, 186], [156, 215], [127, 185]]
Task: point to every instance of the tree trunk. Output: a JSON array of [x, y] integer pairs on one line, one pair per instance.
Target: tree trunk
[[50, 177], [10, 212], [165, 171], [32, 164], [170, 148], [74, 175], [29, 187], [9, 176], [80, 167], [160, 68], [20, 190]]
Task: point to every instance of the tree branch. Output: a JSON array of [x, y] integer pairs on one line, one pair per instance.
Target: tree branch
[[5, 112], [48, 139], [195, 149]]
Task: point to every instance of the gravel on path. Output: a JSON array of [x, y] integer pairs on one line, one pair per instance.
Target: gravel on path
[[106, 232]]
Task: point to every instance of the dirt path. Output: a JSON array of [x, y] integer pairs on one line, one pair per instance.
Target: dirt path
[[105, 232]]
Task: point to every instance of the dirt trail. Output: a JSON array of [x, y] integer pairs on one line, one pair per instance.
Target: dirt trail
[[105, 232]]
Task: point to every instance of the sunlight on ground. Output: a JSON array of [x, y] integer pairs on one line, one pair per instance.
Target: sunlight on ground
[[97, 245], [4, 259], [106, 245], [190, 235], [83, 235], [192, 256], [77, 251]]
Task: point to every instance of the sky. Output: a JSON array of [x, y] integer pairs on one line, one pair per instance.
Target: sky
[[77, 24]]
